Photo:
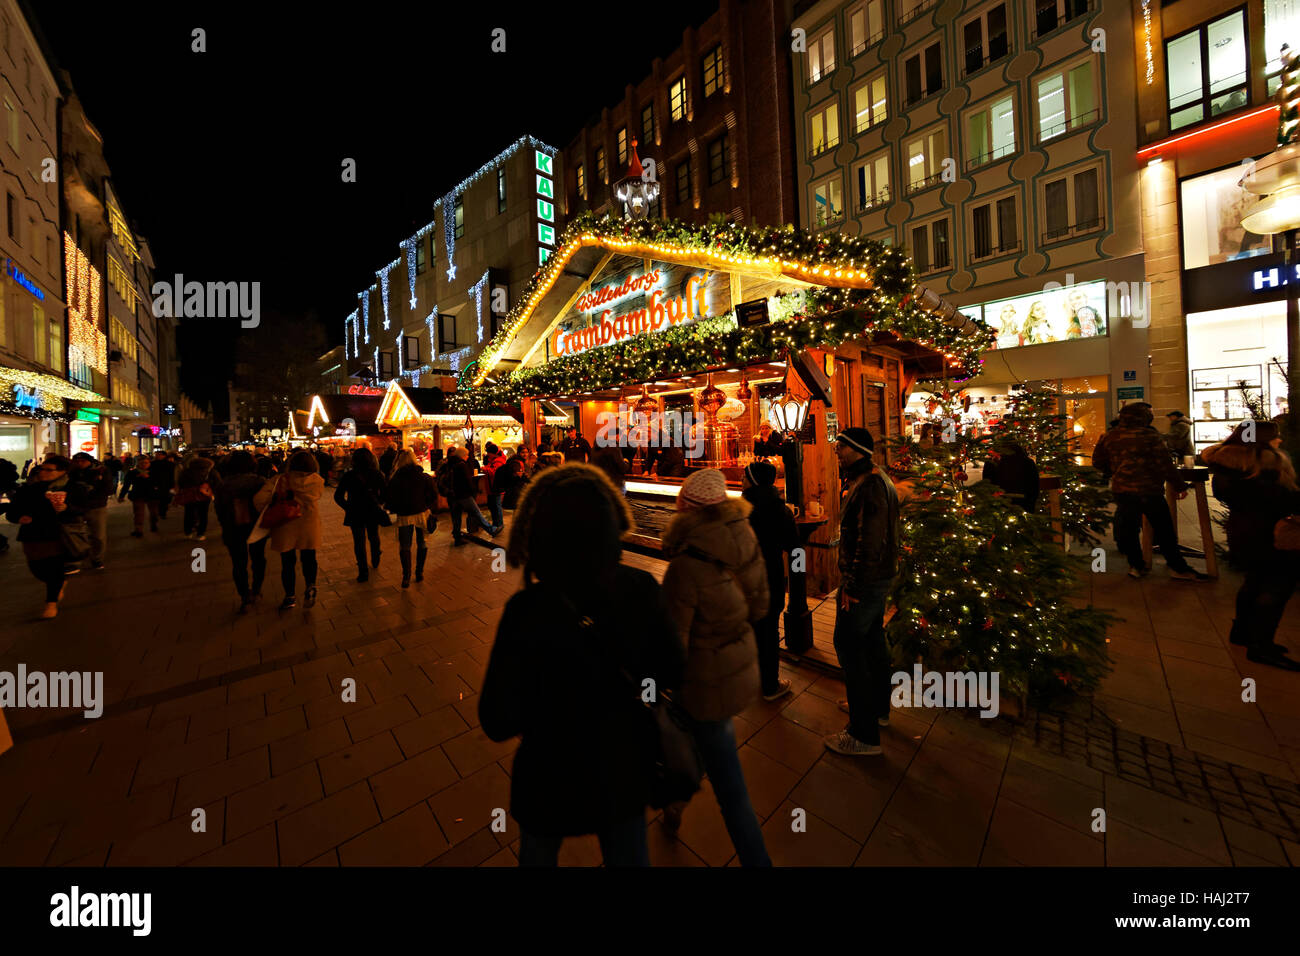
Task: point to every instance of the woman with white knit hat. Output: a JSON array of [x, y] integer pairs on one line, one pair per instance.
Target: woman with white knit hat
[[716, 585]]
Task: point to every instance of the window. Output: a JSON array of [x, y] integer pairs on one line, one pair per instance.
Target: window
[[866, 26], [821, 56], [828, 203], [993, 228], [581, 181], [912, 9], [40, 335], [433, 247], [930, 247], [648, 123], [622, 149], [602, 174], [501, 189], [711, 67], [684, 182], [924, 73], [986, 38], [869, 106], [56, 345], [447, 341], [421, 260], [1071, 205], [1210, 218], [719, 158], [1207, 70], [459, 218], [1066, 101], [873, 182], [1056, 13], [991, 133], [677, 100], [925, 156], [825, 130], [36, 241], [11, 210]]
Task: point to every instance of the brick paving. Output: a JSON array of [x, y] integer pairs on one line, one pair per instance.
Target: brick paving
[[242, 717]]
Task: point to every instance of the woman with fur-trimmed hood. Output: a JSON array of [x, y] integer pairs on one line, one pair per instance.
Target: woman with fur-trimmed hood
[[716, 585], [1257, 482]]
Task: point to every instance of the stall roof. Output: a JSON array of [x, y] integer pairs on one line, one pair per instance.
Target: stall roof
[[403, 405], [333, 409]]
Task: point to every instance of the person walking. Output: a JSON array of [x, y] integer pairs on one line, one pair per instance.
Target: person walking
[[585, 762], [413, 497], [493, 459], [716, 586], [301, 482], [868, 562], [237, 514], [99, 489], [113, 466], [1138, 465], [47, 501], [194, 493], [162, 471], [508, 481], [142, 491], [774, 527], [1179, 437], [361, 494], [386, 460], [324, 462], [463, 502], [1257, 481]]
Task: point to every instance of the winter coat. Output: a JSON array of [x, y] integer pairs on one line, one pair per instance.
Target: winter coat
[[777, 535], [1135, 459], [716, 585], [1017, 475], [303, 532], [585, 760], [361, 493], [98, 483], [508, 480], [492, 462], [139, 486], [163, 474], [386, 460], [195, 473], [234, 504], [1255, 504], [463, 482], [576, 448], [40, 536], [412, 491], [1179, 439], [869, 529]]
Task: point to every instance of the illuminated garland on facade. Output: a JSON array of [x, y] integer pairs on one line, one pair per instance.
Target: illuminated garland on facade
[[449, 231], [87, 345], [364, 298], [477, 292], [431, 323], [383, 286]]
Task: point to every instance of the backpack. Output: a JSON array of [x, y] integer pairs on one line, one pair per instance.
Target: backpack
[[446, 483]]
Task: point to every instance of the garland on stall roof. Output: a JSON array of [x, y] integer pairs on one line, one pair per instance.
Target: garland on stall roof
[[890, 300]]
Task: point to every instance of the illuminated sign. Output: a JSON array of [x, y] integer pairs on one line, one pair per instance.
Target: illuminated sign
[[1054, 315], [26, 398], [545, 173], [1262, 279], [87, 415], [23, 281], [1150, 54], [658, 312], [85, 437], [607, 295], [364, 390]]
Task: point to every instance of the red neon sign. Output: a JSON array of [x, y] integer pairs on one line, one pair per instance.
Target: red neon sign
[[364, 390]]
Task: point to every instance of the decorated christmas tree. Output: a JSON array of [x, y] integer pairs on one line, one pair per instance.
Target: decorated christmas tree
[[983, 584]]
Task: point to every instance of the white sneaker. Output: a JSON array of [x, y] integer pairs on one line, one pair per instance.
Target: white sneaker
[[782, 688], [845, 743]]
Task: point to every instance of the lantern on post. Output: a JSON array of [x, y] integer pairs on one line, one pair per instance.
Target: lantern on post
[[788, 410], [467, 430]]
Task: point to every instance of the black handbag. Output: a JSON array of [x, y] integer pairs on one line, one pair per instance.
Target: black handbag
[[431, 523], [74, 538]]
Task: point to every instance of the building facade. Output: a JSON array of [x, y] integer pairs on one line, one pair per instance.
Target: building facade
[[36, 397], [996, 142], [713, 116], [1207, 73], [426, 315]]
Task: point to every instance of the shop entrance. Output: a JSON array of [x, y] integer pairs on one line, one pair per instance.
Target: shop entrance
[[1085, 421]]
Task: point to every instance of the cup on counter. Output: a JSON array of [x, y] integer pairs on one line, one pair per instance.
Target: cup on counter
[[794, 509], [814, 509], [1189, 461]]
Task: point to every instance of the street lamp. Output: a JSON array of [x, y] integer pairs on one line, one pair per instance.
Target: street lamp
[[634, 191], [467, 430], [1276, 178], [788, 410]]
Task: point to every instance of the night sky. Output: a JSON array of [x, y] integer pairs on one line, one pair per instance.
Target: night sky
[[229, 161]]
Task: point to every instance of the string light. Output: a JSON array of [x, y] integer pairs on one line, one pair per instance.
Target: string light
[[383, 286], [477, 292], [449, 231]]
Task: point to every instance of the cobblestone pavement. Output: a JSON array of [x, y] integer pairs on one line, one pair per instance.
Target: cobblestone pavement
[[242, 717]]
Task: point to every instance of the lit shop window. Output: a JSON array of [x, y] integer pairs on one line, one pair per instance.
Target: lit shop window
[[711, 68], [677, 100], [622, 148], [1212, 208]]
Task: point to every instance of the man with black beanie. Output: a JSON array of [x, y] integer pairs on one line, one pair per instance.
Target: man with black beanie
[[869, 537], [773, 525]]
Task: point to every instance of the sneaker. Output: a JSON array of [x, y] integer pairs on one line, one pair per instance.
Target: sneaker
[[71, 570], [51, 610], [1189, 575], [309, 597], [1137, 572], [845, 743], [1272, 659], [782, 688], [288, 602], [493, 532]]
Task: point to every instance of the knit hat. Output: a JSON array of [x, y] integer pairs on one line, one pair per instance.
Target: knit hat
[[761, 473], [857, 438], [708, 486]]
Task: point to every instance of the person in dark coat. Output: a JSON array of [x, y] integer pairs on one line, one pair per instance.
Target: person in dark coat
[[386, 460], [325, 462], [1179, 436], [100, 486], [194, 491], [585, 763], [162, 471], [361, 493], [575, 447], [1011, 469], [413, 497], [508, 481], [774, 526], [1257, 481], [492, 460], [236, 513], [48, 499], [141, 490], [463, 500]]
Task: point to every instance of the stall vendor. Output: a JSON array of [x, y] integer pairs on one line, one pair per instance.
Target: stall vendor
[[767, 443]]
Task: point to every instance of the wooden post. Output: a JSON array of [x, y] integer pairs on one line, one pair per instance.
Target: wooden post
[[1207, 531]]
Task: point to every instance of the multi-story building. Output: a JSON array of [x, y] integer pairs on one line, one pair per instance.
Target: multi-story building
[[995, 141], [131, 342], [35, 392], [163, 356], [333, 366], [1206, 76], [425, 316], [714, 116]]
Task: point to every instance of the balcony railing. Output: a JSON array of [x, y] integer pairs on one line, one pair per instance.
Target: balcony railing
[[1069, 125], [863, 45], [924, 184], [1078, 229], [825, 146], [984, 159], [941, 262], [877, 200], [925, 7], [1048, 19], [976, 59], [993, 251]]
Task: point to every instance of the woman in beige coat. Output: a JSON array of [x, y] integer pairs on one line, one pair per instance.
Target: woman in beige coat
[[302, 533], [716, 586]]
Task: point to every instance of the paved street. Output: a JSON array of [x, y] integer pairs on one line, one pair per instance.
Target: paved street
[[242, 717]]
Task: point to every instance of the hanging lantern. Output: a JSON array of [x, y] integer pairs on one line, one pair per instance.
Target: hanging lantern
[[744, 393], [467, 429], [645, 405], [788, 411], [712, 398]]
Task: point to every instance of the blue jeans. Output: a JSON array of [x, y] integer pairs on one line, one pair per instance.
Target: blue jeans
[[623, 844], [498, 516], [717, 742], [864, 658], [469, 507]]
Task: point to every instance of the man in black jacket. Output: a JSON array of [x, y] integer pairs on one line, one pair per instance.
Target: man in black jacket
[[465, 489], [869, 536], [162, 472], [774, 526], [100, 486]]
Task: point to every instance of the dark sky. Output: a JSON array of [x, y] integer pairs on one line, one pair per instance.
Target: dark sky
[[229, 161]]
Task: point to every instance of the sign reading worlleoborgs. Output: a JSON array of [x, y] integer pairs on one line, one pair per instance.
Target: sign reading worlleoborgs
[[659, 311]]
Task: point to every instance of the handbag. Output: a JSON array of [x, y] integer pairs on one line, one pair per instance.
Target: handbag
[[1286, 534], [430, 523], [281, 510], [74, 538]]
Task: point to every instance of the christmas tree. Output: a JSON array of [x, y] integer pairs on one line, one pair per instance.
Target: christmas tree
[[984, 585]]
